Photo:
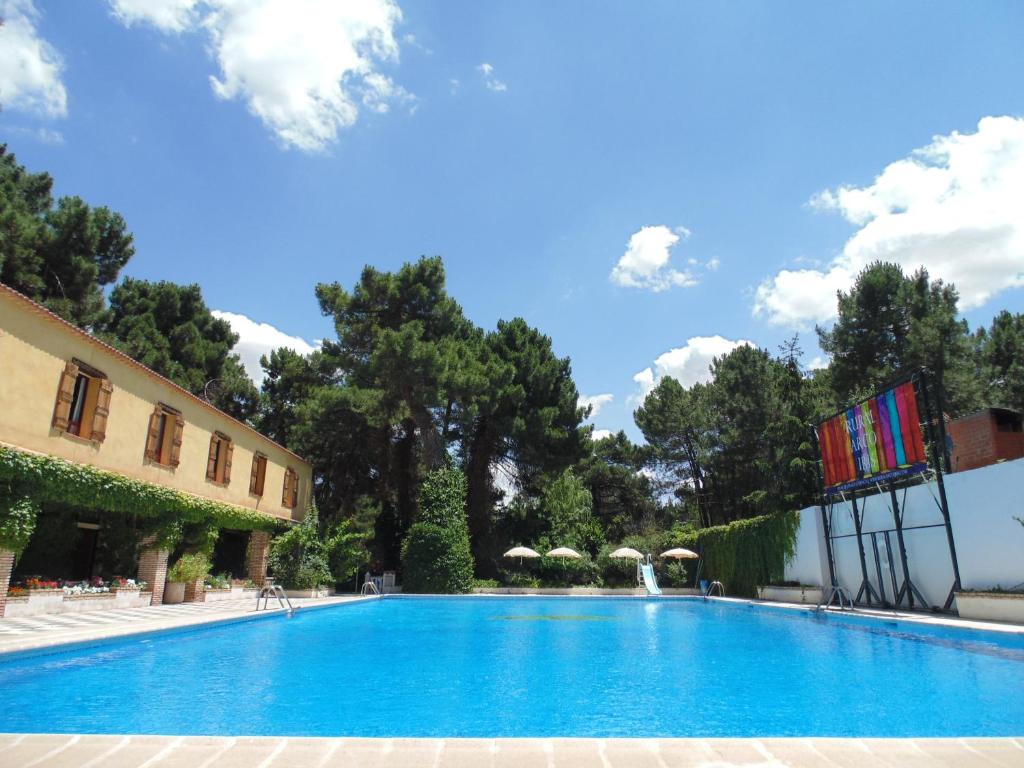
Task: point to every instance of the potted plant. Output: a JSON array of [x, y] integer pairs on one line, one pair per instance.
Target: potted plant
[[995, 604], [184, 575], [790, 592]]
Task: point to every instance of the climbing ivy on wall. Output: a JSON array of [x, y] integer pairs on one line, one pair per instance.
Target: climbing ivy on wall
[[28, 480], [747, 553]]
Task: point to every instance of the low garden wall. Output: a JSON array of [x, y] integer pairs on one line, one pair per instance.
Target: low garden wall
[[576, 591]]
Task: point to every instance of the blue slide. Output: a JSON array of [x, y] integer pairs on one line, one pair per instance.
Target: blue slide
[[649, 581]]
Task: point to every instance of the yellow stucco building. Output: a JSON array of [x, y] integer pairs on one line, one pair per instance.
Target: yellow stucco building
[[66, 394]]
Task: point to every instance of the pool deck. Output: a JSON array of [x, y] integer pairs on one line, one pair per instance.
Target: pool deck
[[43, 750], [37, 633], [65, 751]]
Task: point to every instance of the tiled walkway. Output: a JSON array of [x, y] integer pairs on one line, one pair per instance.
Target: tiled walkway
[[34, 632], [49, 751]]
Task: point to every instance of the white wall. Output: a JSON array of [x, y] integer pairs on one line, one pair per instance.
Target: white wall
[[989, 541]]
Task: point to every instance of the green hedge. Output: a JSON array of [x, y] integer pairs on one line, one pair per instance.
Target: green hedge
[[47, 479], [747, 553]]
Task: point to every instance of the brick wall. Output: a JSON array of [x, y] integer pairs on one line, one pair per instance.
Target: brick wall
[[6, 566], [978, 440], [256, 556], [153, 570], [195, 591]]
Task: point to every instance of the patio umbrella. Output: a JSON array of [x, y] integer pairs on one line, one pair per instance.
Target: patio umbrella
[[680, 554], [564, 552], [627, 553], [521, 552]]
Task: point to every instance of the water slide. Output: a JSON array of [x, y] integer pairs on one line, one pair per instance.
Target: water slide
[[649, 581]]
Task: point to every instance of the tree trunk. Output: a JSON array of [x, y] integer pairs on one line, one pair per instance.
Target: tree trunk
[[430, 438], [478, 499]]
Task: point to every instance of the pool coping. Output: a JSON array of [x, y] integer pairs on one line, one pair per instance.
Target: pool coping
[[113, 751]]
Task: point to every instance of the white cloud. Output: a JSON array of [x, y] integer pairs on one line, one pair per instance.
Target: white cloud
[[258, 339], [817, 363], [600, 434], [596, 403], [166, 15], [646, 262], [689, 364], [303, 67], [30, 68], [953, 207], [492, 83]]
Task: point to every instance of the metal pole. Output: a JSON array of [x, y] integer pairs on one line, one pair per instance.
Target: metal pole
[[826, 525], [898, 519], [943, 503], [866, 583]]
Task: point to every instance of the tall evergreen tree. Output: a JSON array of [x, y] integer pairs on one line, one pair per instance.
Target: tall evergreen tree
[[168, 328], [61, 253]]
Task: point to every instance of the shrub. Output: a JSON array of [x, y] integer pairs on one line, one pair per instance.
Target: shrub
[[672, 574], [485, 584], [568, 572], [189, 567], [436, 560], [299, 557], [436, 557]]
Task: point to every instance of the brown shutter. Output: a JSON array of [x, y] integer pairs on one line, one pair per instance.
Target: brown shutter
[[99, 417], [254, 475], [65, 394], [152, 449], [179, 428], [229, 448], [295, 490], [211, 464], [287, 494]]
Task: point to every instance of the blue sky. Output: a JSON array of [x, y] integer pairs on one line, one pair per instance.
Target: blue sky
[[648, 183]]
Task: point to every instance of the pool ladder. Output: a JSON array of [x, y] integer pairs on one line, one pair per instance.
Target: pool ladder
[[369, 588], [838, 595], [269, 590], [715, 585]]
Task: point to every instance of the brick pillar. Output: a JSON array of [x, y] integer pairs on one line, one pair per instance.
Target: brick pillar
[[6, 566], [195, 591], [153, 569], [259, 546]]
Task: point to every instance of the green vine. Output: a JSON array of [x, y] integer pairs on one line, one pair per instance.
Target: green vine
[[18, 514], [47, 479], [747, 553]]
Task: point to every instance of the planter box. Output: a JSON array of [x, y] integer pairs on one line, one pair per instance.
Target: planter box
[[308, 593], [174, 592], [46, 600], [213, 595], [811, 595], [95, 602], [991, 606]]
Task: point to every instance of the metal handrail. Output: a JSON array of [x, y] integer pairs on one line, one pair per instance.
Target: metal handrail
[[369, 588], [711, 588], [845, 602], [269, 590]]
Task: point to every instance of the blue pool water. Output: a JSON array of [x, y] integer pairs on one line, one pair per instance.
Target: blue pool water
[[532, 667]]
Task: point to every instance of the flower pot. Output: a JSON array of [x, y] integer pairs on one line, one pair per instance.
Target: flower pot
[[174, 592]]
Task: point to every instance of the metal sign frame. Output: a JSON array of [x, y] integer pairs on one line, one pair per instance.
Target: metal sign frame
[[935, 437]]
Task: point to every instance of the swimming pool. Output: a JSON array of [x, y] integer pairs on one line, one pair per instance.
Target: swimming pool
[[492, 667]]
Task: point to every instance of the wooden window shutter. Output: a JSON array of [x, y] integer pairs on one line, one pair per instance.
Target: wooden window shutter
[[99, 417], [286, 496], [179, 429], [211, 464], [65, 394], [229, 448], [153, 436], [254, 476], [295, 490]]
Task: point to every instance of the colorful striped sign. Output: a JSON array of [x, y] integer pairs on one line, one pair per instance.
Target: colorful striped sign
[[874, 441]]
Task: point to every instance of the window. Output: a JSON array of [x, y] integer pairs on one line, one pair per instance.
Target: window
[[218, 466], [163, 440], [290, 496], [259, 474], [83, 402]]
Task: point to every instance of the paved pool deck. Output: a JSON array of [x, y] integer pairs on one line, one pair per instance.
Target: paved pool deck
[[42, 750], [63, 751], [36, 633]]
